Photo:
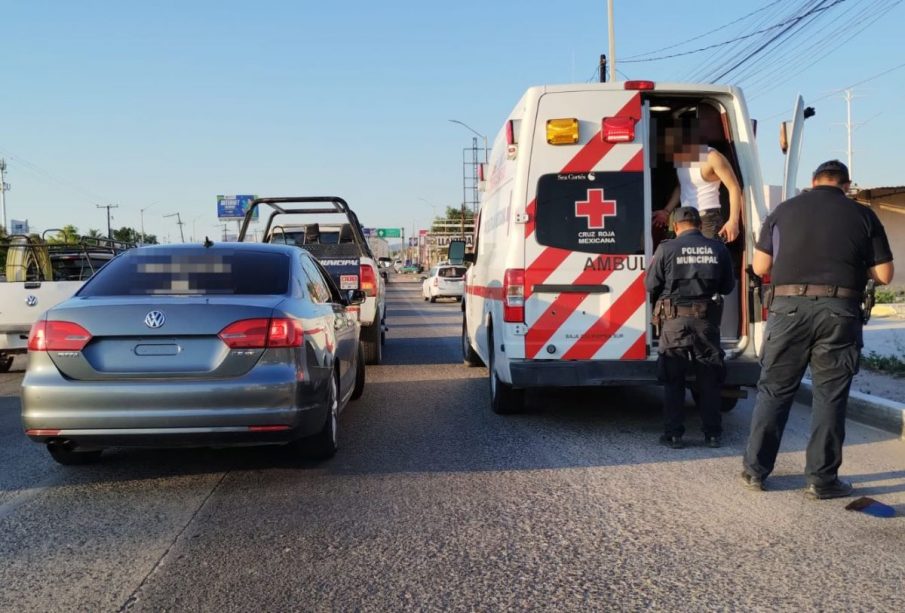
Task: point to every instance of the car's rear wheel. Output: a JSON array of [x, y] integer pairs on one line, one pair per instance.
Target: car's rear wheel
[[504, 399], [359, 387], [433, 299], [469, 355], [6, 362], [323, 445], [69, 455], [370, 340]]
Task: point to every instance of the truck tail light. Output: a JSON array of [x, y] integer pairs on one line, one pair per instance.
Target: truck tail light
[[514, 295], [367, 279], [262, 333], [57, 336]]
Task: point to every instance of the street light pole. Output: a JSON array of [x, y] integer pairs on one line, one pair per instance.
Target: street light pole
[[468, 127], [612, 35], [141, 213]]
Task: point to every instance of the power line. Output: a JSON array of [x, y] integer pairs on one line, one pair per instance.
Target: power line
[[793, 20], [842, 89], [699, 36], [773, 39]]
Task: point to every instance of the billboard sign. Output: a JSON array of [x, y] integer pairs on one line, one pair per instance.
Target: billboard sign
[[234, 207]]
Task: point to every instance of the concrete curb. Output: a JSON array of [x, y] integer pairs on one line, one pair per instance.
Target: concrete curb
[[874, 411]]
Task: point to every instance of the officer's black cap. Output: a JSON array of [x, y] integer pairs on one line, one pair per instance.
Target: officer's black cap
[[687, 213], [833, 166]]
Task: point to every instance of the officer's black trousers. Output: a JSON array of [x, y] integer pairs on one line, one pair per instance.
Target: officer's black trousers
[[824, 333], [685, 343]]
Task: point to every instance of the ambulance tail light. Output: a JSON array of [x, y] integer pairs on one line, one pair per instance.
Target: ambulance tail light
[[639, 85], [514, 295], [367, 279], [562, 131], [618, 129], [510, 132]]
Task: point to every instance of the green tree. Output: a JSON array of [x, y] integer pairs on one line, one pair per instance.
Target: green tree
[[67, 234], [94, 233]]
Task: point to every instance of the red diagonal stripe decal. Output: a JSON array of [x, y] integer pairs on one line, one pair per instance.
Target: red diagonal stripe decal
[[636, 164], [545, 326], [638, 350], [543, 266], [609, 323]]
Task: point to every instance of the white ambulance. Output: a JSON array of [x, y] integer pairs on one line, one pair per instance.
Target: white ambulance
[[556, 295]]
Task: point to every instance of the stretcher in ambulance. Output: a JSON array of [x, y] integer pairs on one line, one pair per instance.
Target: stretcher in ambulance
[[555, 296]]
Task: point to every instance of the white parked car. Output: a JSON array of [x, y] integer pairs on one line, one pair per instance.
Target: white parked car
[[444, 282]]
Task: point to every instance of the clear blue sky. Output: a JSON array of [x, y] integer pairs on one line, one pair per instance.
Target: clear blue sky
[[174, 102]]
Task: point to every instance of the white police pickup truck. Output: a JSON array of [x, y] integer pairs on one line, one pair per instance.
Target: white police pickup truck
[[36, 275]]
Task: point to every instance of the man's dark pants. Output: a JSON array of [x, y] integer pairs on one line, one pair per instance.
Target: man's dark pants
[[690, 342], [711, 222], [824, 333]]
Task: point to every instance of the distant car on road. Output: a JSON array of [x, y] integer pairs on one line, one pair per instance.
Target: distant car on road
[[194, 345], [444, 282]]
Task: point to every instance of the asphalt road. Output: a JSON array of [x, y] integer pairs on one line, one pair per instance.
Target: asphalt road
[[434, 502]]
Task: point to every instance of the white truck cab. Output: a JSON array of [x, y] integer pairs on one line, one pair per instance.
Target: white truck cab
[[556, 295]]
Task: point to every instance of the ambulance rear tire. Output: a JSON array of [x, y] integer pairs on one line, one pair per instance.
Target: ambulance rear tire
[[727, 403], [504, 399], [469, 355]]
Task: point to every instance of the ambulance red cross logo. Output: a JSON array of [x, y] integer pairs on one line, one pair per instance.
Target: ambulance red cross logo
[[596, 209]]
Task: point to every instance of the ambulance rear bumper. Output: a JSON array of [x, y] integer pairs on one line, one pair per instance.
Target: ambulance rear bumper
[[741, 371]]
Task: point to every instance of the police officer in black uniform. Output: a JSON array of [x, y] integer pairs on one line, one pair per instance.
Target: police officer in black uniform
[[820, 248], [686, 279]]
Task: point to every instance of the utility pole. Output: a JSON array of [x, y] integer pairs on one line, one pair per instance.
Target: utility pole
[[141, 212], [108, 207], [612, 35], [4, 186], [849, 128], [180, 223]]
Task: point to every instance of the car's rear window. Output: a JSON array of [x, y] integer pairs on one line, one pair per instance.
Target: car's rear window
[[599, 212], [452, 272], [186, 273]]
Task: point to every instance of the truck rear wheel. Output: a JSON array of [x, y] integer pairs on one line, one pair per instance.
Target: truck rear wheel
[[370, 341]]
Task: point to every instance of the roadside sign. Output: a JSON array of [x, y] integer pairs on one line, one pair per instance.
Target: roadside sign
[[18, 226], [234, 207], [389, 232], [369, 232]]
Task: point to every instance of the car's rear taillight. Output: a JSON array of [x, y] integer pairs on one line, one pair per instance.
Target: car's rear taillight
[[57, 336], [367, 279], [436, 282], [262, 333], [514, 295]]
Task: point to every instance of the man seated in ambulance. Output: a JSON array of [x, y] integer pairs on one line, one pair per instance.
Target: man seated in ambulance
[[700, 171]]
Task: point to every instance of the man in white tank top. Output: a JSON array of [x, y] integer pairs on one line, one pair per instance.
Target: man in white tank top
[[700, 171]]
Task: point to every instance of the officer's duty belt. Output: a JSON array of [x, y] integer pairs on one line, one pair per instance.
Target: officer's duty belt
[[806, 289], [697, 310]]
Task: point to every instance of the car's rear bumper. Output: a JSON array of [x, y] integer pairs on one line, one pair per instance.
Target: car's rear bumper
[[742, 371], [165, 412]]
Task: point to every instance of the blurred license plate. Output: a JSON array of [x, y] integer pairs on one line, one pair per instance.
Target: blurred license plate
[[348, 282]]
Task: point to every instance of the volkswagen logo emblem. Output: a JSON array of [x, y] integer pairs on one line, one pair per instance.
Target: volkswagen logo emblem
[[155, 319], [31, 300]]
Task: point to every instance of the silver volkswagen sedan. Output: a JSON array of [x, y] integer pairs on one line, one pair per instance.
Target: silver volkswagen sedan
[[195, 345]]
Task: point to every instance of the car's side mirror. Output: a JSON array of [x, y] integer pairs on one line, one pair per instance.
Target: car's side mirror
[[355, 296], [468, 258]]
